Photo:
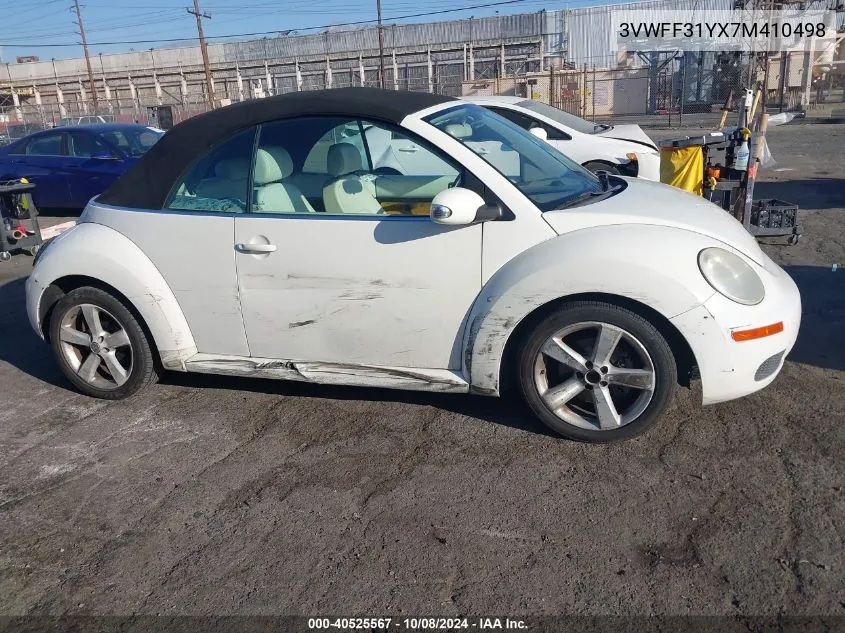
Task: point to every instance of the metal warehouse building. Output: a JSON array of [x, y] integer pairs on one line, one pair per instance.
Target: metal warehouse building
[[563, 56]]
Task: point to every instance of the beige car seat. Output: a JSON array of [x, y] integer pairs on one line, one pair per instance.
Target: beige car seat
[[349, 191], [272, 194], [229, 181]]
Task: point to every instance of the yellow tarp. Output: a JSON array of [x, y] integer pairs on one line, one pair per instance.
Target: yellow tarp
[[683, 167]]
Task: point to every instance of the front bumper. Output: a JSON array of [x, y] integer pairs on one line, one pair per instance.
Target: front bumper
[[731, 369]]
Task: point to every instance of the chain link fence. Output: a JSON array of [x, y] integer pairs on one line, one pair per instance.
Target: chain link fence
[[649, 89]]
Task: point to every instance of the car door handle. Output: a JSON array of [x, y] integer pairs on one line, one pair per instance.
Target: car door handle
[[410, 150], [255, 248]]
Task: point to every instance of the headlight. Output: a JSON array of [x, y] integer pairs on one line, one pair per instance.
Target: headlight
[[731, 276]]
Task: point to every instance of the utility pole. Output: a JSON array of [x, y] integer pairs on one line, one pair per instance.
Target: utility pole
[[382, 78], [87, 57], [209, 84]]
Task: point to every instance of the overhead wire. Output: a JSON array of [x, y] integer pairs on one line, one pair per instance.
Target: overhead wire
[[275, 31]]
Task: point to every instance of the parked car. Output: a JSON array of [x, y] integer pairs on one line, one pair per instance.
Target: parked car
[[71, 165], [619, 149], [254, 240]]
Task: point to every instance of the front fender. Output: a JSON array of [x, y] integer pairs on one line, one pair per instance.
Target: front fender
[[96, 251], [653, 265]]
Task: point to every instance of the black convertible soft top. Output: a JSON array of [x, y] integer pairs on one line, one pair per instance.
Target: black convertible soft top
[[147, 183]]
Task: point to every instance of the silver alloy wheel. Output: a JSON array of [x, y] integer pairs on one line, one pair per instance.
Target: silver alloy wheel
[[594, 376], [96, 346]]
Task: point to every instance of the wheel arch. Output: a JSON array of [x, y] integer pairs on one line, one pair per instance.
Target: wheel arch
[[64, 285], [685, 359], [660, 283], [117, 266]]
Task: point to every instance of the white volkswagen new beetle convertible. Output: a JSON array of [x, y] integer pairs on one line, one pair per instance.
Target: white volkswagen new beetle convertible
[[271, 239], [624, 150]]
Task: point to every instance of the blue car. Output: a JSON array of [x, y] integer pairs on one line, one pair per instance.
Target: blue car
[[71, 165]]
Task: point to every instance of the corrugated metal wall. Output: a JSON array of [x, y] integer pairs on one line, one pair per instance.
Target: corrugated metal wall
[[399, 36]]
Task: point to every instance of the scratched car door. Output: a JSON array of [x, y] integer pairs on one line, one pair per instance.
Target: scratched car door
[[342, 285]]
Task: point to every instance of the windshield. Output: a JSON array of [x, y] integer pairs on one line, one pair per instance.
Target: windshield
[[547, 177], [133, 141], [564, 118]]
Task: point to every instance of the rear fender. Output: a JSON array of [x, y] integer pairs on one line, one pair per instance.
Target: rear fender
[[99, 252]]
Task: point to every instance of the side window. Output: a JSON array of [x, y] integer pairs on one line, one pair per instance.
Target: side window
[[329, 165], [403, 176], [316, 162], [47, 145], [219, 180], [19, 148], [292, 162], [520, 119], [395, 152], [526, 123], [86, 145]]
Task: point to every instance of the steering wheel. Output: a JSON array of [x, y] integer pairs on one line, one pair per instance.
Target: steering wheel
[[387, 171]]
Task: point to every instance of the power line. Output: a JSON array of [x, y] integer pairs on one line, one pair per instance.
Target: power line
[[274, 32]]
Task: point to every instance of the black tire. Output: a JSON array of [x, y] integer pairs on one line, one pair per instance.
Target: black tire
[[596, 166], [144, 370], [571, 315]]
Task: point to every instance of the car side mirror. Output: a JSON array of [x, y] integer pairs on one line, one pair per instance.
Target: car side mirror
[[540, 132], [459, 207]]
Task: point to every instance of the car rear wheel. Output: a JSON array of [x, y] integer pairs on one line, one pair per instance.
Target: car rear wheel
[[597, 372], [100, 346]]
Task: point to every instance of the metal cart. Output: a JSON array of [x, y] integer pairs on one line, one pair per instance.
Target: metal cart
[[773, 218], [19, 230], [729, 188]]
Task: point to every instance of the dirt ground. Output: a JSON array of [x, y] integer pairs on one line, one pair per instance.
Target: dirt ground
[[222, 496]]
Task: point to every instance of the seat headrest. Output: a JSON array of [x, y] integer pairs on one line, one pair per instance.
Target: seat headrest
[[343, 158], [232, 169], [459, 130], [272, 164]]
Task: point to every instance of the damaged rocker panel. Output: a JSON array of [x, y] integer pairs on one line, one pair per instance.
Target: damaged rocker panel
[[416, 379]]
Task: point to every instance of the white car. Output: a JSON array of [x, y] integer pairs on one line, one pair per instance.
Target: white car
[[620, 149], [257, 240]]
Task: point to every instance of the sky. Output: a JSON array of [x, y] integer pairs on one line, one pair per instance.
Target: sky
[[34, 27]]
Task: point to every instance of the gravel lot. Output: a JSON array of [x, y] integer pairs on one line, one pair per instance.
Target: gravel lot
[[212, 496]]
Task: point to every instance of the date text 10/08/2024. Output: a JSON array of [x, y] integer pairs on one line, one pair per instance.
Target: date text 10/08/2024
[[415, 624]]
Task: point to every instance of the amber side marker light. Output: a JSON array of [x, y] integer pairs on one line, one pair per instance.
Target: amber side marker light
[[757, 332]]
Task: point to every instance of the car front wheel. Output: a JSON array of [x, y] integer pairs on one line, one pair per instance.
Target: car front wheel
[[100, 346], [597, 372]]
